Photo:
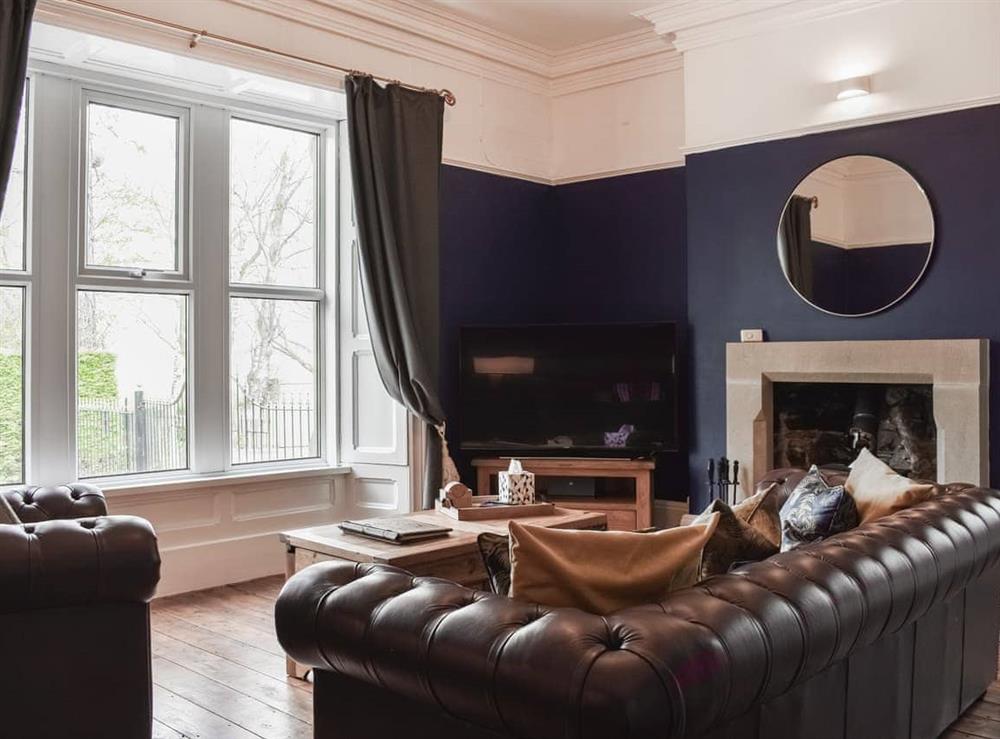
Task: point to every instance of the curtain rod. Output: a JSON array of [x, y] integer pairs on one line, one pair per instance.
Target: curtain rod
[[197, 36]]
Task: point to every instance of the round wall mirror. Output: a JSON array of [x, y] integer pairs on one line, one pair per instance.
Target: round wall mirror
[[856, 235]]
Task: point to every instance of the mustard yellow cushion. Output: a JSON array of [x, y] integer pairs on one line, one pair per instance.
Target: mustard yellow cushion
[[879, 490], [604, 571]]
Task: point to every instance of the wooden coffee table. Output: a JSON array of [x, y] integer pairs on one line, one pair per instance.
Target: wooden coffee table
[[454, 557]]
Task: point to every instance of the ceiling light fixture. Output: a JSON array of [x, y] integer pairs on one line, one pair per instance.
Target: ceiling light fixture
[[854, 87]]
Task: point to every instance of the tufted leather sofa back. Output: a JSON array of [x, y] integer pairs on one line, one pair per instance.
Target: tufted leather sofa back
[[34, 503], [761, 652]]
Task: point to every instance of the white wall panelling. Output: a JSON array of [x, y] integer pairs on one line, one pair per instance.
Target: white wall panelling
[[227, 531]]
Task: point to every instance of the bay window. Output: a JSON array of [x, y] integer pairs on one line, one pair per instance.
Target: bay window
[[15, 281], [195, 319]]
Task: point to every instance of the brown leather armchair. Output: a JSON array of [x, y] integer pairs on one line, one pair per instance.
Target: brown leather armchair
[[888, 630], [74, 617]]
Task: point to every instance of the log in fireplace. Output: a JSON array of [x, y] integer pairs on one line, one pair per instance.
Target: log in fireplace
[[829, 422]]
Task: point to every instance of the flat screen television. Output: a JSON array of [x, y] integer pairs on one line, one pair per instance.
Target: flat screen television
[[575, 390]]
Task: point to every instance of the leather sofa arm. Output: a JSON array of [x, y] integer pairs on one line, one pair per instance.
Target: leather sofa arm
[[681, 667], [67, 563], [34, 503]]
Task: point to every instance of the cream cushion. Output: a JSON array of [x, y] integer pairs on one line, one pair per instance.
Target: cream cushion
[[879, 490], [604, 571]]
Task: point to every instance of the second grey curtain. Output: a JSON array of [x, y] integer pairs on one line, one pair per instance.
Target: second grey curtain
[[796, 240], [395, 139], [15, 26]]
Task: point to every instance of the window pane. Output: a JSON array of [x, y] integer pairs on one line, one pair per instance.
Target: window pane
[[131, 382], [11, 384], [131, 189], [273, 375], [272, 205], [12, 213]]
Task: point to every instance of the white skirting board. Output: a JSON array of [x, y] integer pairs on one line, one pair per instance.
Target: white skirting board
[[216, 563]]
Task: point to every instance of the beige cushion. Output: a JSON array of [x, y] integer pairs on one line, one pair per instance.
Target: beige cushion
[[604, 571], [879, 490], [761, 512]]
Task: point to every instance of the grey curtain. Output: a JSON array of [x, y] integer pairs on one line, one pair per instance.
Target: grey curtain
[[395, 145], [796, 241], [15, 25]]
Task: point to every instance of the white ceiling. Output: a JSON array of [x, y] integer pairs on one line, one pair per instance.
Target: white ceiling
[[554, 25]]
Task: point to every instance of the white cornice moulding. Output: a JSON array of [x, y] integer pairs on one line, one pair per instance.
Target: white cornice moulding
[[612, 60], [399, 30], [691, 24]]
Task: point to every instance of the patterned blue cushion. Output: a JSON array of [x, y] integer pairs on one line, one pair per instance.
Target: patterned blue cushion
[[815, 511]]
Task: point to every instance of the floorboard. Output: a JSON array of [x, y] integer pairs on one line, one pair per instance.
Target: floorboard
[[219, 672]]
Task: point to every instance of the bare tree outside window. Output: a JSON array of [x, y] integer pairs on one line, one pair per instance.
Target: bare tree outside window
[[273, 242], [272, 205], [12, 213], [273, 370], [132, 189]]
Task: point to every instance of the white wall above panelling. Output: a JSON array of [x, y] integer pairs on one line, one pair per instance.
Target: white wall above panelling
[[752, 69], [627, 127], [768, 68], [503, 122]]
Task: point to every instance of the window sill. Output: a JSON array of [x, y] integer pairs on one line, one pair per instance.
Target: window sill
[[206, 482]]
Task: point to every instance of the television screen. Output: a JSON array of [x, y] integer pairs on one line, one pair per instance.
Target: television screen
[[601, 390]]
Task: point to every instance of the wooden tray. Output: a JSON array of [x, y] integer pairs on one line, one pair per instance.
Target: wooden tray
[[480, 512]]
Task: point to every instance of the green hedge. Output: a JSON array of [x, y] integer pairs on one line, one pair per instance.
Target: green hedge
[[11, 420], [97, 379], [95, 375]]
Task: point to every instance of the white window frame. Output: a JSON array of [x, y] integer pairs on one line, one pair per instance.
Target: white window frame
[[25, 279], [182, 241], [316, 294], [58, 174]]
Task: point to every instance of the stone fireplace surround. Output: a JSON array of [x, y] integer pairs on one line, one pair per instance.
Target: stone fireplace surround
[[958, 370]]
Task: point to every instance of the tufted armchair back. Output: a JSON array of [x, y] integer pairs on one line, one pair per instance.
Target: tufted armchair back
[[34, 503], [75, 585]]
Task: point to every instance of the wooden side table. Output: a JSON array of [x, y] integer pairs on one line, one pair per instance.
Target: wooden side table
[[625, 512], [453, 557]]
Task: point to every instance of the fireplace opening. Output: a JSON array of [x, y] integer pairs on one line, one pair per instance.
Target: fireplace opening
[[826, 423]]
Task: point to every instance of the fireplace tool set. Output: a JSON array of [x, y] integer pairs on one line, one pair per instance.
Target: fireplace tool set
[[726, 483]]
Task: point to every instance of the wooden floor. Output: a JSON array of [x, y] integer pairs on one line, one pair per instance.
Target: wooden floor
[[219, 673], [982, 719]]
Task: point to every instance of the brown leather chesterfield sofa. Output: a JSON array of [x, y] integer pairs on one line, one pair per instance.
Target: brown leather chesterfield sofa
[[75, 586], [889, 630]]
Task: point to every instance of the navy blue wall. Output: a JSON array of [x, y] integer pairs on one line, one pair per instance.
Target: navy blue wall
[[603, 251], [858, 281], [734, 200]]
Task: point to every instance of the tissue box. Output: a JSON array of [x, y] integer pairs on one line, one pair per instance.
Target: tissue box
[[517, 487]]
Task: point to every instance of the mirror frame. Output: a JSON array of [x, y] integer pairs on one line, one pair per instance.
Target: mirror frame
[[916, 280]]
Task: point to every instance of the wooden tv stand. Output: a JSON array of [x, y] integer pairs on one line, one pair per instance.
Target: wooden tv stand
[[627, 511]]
